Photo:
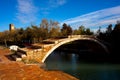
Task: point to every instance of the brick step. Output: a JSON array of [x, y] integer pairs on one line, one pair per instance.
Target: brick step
[[22, 55], [19, 50], [16, 57]]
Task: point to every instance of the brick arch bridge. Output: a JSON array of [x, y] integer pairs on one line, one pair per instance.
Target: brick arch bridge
[[46, 49]]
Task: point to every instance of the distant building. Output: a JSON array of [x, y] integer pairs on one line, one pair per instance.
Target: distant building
[[11, 27]]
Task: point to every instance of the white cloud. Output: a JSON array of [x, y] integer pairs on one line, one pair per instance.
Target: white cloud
[[95, 19], [52, 4], [26, 11], [56, 3]]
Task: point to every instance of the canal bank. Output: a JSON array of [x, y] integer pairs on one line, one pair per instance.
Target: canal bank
[[19, 71], [12, 70]]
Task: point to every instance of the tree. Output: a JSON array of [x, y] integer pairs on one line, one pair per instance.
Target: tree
[[28, 35], [88, 32], [117, 27], [66, 30], [44, 24], [13, 36], [21, 32], [35, 33], [0, 36], [5, 37], [115, 40], [82, 30], [69, 30], [55, 29], [99, 31], [76, 32], [109, 29], [116, 33], [44, 29], [54, 32]]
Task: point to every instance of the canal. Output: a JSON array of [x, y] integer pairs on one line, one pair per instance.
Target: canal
[[83, 63]]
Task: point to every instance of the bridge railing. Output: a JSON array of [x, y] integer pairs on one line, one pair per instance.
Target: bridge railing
[[81, 36]]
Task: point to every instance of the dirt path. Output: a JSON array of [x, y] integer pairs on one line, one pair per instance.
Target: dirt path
[[3, 55], [11, 70]]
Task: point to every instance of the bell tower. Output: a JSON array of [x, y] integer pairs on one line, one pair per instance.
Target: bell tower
[[11, 27]]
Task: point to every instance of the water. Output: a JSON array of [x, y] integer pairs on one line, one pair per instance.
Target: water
[[81, 69]]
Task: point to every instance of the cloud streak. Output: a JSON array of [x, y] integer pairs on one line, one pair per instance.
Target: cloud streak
[[95, 19], [26, 11]]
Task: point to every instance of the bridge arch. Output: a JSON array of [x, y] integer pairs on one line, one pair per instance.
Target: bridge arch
[[70, 40]]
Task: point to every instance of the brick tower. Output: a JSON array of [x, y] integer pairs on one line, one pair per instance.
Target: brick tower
[[11, 27]]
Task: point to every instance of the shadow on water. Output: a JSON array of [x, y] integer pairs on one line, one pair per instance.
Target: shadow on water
[[84, 70]]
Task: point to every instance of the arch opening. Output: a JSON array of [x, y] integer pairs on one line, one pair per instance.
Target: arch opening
[[67, 41]]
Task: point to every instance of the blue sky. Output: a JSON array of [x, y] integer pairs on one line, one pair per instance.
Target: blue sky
[[90, 13]]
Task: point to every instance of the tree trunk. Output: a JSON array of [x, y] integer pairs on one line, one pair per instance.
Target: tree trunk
[[5, 43]]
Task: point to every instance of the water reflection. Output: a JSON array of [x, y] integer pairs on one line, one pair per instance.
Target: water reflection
[[71, 63], [74, 62]]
